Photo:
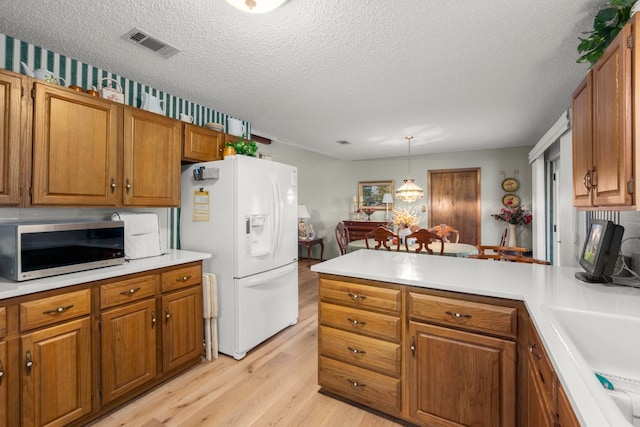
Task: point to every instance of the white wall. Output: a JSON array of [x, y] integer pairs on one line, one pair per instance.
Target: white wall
[[327, 185]]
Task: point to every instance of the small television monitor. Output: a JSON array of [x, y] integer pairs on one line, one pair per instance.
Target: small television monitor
[[600, 251]]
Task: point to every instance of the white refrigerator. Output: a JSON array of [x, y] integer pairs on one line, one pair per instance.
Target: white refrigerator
[[243, 211]]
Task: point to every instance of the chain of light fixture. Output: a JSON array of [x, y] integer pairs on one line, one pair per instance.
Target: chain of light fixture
[[256, 6], [409, 192]]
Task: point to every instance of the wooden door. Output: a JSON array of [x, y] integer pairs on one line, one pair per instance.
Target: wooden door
[[75, 143], [459, 378], [454, 199], [128, 348], [151, 159], [10, 138], [612, 143], [181, 327], [56, 374], [582, 140], [201, 144]]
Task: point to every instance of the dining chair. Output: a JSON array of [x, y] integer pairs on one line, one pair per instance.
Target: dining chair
[[342, 236], [446, 231], [503, 237], [498, 252], [525, 259], [424, 238], [383, 236]]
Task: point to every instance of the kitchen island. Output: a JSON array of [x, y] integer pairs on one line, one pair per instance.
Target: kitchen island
[[539, 289]]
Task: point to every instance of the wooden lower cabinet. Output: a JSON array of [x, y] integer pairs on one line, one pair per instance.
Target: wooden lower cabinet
[[459, 378], [566, 416], [128, 348], [4, 388], [56, 374], [182, 327], [538, 412]]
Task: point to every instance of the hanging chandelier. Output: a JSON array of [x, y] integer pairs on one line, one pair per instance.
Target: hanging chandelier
[[409, 192], [256, 6]]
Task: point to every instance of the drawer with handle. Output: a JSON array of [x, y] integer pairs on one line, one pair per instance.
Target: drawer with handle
[[181, 278], [360, 385], [49, 310], [369, 353], [361, 296], [364, 322], [124, 291], [475, 316]]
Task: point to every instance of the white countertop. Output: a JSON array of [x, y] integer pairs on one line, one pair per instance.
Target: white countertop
[[9, 288], [536, 285]]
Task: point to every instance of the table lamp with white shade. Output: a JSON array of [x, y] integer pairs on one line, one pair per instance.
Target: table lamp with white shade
[[303, 214], [386, 199]]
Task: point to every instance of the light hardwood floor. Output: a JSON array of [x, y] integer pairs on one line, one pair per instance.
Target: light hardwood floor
[[274, 385]]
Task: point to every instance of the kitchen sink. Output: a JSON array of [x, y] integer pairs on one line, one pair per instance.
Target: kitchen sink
[[608, 345]]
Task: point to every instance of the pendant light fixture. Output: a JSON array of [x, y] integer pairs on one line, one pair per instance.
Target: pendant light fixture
[[409, 192], [256, 6]]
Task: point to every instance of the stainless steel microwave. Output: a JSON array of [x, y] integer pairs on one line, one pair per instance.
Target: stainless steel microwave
[[34, 250]]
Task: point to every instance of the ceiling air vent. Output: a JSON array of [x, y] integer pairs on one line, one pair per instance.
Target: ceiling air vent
[[343, 142], [144, 39]]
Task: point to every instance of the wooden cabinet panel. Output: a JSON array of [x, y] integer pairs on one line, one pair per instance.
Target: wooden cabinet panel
[[364, 322], [461, 378], [612, 143], [3, 322], [360, 296], [361, 385], [128, 348], [56, 386], [4, 385], [151, 159], [200, 144], [566, 416], [75, 148], [182, 327], [582, 140], [10, 137], [475, 316], [182, 277], [125, 291], [366, 352], [50, 310], [538, 412]]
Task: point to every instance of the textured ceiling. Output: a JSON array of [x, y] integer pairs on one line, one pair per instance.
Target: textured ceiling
[[456, 74]]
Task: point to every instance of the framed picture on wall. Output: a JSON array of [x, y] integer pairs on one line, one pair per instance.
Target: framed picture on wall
[[370, 194]]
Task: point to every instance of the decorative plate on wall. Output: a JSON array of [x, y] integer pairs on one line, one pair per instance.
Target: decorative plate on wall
[[511, 200], [510, 184]]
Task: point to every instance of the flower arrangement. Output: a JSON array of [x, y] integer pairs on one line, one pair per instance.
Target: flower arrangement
[[518, 215], [405, 219]]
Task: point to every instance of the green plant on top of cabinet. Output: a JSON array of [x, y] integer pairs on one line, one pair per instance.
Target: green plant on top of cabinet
[[93, 152], [10, 128]]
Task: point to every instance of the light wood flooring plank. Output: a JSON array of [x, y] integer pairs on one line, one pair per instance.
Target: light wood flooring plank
[[274, 385]]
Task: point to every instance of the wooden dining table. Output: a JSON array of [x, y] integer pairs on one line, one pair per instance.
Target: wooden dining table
[[460, 250]]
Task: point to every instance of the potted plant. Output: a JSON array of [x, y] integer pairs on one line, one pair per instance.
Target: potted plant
[[244, 146], [606, 26]]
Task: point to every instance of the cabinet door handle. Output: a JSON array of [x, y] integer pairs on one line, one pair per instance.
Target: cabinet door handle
[[130, 291], [356, 384], [153, 319], [113, 185], [128, 186], [167, 315], [587, 180], [458, 315], [58, 310], [356, 351], [412, 347], [29, 363], [356, 322], [357, 297], [533, 349], [183, 278], [1, 370]]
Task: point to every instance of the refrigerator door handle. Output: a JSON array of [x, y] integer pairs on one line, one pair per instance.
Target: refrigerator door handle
[[265, 278], [277, 213]]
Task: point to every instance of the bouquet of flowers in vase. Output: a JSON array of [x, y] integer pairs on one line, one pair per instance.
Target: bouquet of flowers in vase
[[405, 219], [517, 216]]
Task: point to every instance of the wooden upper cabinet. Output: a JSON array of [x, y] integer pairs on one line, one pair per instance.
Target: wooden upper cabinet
[[151, 163], [612, 142], [582, 137], [201, 144], [75, 148], [10, 131]]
